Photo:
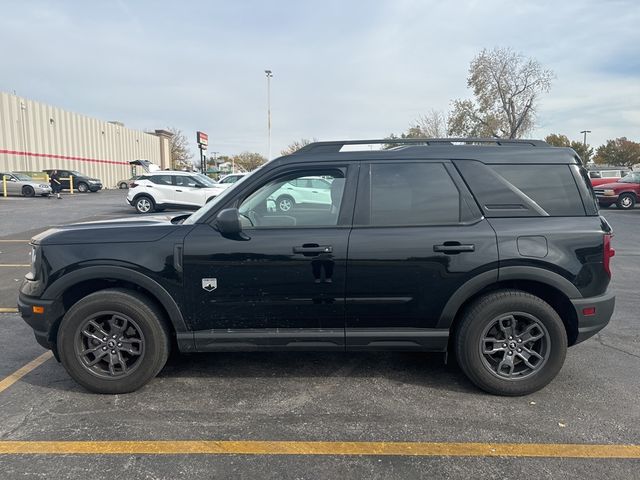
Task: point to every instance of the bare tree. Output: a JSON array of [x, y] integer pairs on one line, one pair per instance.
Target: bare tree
[[297, 145], [432, 124], [506, 87], [180, 153], [248, 160]]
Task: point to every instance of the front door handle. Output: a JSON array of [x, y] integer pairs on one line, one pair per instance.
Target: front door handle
[[313, 248], [454, 247]]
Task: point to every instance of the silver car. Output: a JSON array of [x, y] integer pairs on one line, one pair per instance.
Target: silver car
[[21, 184]]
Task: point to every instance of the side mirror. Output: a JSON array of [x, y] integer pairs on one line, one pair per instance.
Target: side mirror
[[228, 222]]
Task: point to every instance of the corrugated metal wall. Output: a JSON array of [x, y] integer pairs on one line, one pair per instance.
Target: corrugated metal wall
[[35, 136]]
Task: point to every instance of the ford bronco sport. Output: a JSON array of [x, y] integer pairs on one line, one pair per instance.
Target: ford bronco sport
[[490, 249]]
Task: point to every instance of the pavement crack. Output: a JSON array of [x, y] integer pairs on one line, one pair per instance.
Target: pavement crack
[[598, 338], [22, 421]]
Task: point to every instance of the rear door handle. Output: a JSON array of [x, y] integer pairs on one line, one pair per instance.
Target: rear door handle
[[454, 247], [313, 248], [178, 190]]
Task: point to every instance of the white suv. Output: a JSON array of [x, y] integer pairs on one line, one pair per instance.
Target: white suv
[[167, 189]]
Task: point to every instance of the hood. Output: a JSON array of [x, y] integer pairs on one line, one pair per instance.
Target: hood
[[119, 230], [612, 185]]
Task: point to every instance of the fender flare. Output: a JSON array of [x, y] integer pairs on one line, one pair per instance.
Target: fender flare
[[101, 272], [485, 279]]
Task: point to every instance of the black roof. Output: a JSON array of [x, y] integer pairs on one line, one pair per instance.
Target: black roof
[[486, 150]]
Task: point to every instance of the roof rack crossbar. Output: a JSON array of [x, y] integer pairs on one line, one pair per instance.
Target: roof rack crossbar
[[336, 146]]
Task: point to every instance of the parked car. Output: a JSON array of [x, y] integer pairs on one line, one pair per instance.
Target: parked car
[[496, 254], [599, 177], [81, 182], [306, 191], [227, 180], [170, 189], [21, 184], [624, 193], [124, 184]]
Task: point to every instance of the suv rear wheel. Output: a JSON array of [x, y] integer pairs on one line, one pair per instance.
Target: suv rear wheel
[[144, 204], [511, 343], [113, 341]]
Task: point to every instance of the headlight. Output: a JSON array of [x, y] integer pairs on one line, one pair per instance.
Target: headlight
[[35, 263], [44, 186], [609, 193]]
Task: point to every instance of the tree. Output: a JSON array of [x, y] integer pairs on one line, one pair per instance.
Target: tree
[[180, 153], [429, 125], [621, 152], [248, 160], [297, 145], [506, 87], [585, 152]]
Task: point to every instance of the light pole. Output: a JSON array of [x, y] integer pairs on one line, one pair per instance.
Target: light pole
[[269, 75], [584, 142]]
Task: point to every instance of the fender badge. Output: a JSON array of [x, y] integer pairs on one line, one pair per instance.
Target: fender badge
[[209, 284]]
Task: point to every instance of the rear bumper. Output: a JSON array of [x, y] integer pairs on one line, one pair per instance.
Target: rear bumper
[[589, 325]]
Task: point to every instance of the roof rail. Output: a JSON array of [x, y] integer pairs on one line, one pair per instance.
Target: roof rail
[[336, 146]]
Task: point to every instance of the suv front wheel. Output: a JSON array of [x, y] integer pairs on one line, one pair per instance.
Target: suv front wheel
[[113, 341], [511, 343]]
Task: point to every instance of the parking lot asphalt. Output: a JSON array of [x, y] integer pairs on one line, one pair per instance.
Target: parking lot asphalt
[[424, 418]]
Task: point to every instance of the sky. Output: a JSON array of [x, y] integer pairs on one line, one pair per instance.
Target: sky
[[341, 69]]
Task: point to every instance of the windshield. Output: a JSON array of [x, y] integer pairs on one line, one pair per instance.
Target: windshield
[[202, 212], [206, 180], [631, 178], [76, 173], [23, 177]]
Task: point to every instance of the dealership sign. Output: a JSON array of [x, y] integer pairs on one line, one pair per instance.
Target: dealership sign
[[203, 140]]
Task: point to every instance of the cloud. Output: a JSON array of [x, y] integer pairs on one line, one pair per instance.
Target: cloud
[[341, 69]]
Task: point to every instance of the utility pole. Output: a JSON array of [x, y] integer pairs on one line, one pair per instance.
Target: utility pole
[[269, 75], [584, 142]]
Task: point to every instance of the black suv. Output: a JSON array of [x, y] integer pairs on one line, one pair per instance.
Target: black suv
[[81, 182], [489, 249]]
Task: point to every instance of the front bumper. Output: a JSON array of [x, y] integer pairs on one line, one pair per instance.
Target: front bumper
[[43, 324], [589, 325], [94, 187]]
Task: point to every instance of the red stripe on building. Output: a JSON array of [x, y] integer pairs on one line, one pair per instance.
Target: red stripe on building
[[61, 157]]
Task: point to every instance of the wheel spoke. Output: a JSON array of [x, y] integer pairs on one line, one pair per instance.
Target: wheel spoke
[[506, 364], [507, 325], [115, 328], [496, 345], [97, 358], [98, 327], [89, 350], [92, 336], [132, 346], [531, 334], [526, 355]]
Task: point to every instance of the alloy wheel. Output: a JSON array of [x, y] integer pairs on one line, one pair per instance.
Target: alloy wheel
[[109, 345], [514, 346]]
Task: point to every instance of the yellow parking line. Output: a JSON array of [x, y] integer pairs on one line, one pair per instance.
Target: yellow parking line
[[15, 241], [429, 449], [14, 265], [21, 372], [8, 310]]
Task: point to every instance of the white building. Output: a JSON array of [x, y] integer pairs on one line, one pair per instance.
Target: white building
[[35, 136]]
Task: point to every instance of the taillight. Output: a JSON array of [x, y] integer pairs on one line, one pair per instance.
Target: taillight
[[133, 185], [608, 253]]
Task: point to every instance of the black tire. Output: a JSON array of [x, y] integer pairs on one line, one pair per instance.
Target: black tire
[[82, 187], [626, 201], [285, 203], [499, 309], [76, 334], [144, 204], [122, 185], [28, 191]]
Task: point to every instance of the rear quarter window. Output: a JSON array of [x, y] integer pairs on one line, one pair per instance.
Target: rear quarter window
[[523, 190]]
